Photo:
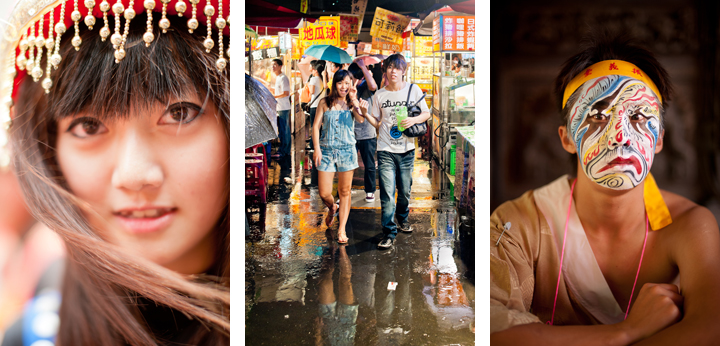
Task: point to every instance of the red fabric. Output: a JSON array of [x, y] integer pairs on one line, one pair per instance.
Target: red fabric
[[137, 6]]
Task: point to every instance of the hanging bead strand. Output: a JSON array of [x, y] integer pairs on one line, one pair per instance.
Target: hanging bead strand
[[209, 12], [148, 37], [164, 22], [22, 59], [76, 16], [60, 29], [116, 38], [90, 18], [105, 31], [37, 71], [129, 14], [220, 23], [49, 44], [193, 22], [31, 49]]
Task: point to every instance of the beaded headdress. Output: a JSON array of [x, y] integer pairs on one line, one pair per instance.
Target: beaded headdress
[[35, 29]]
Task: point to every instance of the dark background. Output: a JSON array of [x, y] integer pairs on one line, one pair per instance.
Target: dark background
[[529, 43]]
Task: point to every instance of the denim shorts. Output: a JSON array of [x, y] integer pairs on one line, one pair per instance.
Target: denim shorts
[[338, 159]]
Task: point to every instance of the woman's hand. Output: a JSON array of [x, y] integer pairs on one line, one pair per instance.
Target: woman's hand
[[353, 91], [317, 157], [363, 105], [656, 308]]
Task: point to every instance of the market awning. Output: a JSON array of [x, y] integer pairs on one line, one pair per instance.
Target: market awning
[[262, 13]]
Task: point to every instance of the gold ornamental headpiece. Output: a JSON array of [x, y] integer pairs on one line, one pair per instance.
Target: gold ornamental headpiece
[[35, 29]]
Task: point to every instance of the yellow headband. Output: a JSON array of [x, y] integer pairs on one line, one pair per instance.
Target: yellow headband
[[607, 68]]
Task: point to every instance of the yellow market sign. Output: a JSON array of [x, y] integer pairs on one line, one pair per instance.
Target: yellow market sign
[[326, 30], [384, 45], [388, 26], [423, 46]]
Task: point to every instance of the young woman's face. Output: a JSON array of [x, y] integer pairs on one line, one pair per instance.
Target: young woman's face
[[343, 86], [157, 181]]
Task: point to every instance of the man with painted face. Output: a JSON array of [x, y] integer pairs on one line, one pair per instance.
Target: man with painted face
[[606, 257]]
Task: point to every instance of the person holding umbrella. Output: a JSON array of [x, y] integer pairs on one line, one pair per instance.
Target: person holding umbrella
[[335, 145]]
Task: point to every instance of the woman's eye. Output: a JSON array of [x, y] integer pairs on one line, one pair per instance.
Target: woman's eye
[[85, 127], [599, 116], [635, 117], [181, 113]]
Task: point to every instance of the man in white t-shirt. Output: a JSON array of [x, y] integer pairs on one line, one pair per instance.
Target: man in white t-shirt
[[282, 94], [395, 151]]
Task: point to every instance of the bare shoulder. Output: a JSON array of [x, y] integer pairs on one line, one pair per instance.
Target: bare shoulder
[[691, 223]]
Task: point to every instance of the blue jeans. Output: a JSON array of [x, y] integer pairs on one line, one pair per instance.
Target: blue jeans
[[395, 171], [283, 122], [367, 148]]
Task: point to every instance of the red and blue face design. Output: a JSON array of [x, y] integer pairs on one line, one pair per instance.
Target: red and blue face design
[[615, 123]]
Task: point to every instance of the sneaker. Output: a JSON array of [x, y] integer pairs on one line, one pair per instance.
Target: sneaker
[[405, 228], [386, 243], [369, 197]]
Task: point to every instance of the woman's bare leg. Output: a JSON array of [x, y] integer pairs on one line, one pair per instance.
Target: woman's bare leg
[[325, 185], [344, 189]]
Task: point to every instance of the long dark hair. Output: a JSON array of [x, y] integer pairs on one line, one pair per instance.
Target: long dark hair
[[334, 94], [103, 285]]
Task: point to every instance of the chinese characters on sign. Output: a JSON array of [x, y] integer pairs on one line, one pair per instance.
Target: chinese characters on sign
[[349, 27], [358, 8], [326, 30], [422, 69], [388, 26], [436, 34], [385, 45], [457, 33], [304, 6], [423, 46]]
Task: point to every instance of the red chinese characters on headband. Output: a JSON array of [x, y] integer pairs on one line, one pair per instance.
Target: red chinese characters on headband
[[637, 72], [588, 72], [613, 66]]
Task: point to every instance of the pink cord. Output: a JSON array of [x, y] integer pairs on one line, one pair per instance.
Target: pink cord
[[647, 221], [562, 253], [562, 257]]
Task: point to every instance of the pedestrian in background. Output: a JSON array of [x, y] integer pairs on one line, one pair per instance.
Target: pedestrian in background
[[365, 133], [316, 86], [281, 90]]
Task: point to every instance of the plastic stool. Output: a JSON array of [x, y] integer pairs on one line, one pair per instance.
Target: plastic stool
[[255, 179]]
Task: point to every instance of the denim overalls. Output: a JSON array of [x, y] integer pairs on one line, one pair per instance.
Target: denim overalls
[[337, 142]]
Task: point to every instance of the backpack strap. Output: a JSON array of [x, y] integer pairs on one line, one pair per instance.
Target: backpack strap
[[407, 102]]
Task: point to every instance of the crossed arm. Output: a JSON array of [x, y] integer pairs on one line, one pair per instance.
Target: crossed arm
[[654, 316]]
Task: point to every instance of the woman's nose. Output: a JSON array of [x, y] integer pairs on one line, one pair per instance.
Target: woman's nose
[[136, 166]]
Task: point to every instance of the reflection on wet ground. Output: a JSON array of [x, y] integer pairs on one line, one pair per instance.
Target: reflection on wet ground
[[303, 288]]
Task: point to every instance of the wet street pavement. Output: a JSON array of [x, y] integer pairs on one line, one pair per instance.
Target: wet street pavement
[[303, 288]]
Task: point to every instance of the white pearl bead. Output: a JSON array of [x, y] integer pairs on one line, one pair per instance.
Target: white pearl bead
[[21, 60], [37, 72], [31, 41], [118, 8], [116, 39], [148, 37], [194, 2], [49, 43], [192, 24], [104, 32], [209, 10], [90, 20], [76, 16], [60, 28], [208, 44], [164, 23], [89, 3], [104, 6], [24, 44], [119, 54], [76, 41], [129, 14], [221, 64], [39, 42], [55, 59], [47, 83], [180, 7], [30, 64], [220, 23], [149, 4]]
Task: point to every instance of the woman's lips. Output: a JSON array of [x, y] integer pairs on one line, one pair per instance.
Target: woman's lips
[[138, 225], [631, 161]]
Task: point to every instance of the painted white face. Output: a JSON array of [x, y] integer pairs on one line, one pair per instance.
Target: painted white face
[[158, 181], [615, 124]]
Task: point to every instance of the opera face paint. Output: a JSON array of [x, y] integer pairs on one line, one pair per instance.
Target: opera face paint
[[615, 124]]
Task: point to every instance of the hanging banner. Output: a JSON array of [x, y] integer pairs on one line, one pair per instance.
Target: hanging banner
[[423, 45], [363, 47], [436, 34], [407, 43], [349, 27], [458, 32], [385, 45], [297, 49], [304, 6], [326, 30], [388, 26], [358, 8]]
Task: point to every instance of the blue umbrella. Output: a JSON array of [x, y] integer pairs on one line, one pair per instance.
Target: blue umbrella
[[329, 53]]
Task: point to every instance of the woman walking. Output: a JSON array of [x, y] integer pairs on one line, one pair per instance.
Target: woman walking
[[335, 145]]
